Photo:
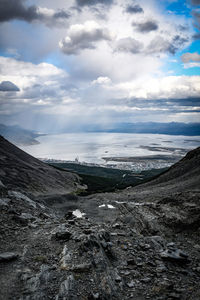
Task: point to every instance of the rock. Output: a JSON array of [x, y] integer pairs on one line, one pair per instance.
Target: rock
[[66, 256], [131, 284], [145, 246], [87, 231], [4, 202], [20, 196], [197, 247], [131, 261], [171, 245], [82, 268], [66, 289], [174, 255], [94, 296], [2, 185], [28, 216], [175, 296], [63, 235], [124, 247], [21, 220], [116, 226], [69, 215], [8, 256], [161, 268], [146, 279], [90, 242], [104, 235], [118, 278], [71, 222], [113, 234], [198, 269]]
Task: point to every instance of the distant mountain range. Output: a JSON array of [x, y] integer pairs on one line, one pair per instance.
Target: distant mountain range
[[18, 135], [173, 128]]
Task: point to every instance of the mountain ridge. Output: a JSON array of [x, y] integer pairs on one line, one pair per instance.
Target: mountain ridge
[[20, 170]]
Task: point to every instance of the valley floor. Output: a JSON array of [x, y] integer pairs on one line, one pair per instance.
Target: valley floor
[[128, 245]]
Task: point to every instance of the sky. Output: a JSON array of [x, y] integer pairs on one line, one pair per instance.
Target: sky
[[71, 63]]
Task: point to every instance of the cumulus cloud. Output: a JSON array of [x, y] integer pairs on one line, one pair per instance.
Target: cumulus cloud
[[34, 82], [93, 2], [169, 87], [84, 36], [146, 26], [101, 80], [169, 44], [134, 9], [128, 44], [8, 86], [16, 9], [188, 57]]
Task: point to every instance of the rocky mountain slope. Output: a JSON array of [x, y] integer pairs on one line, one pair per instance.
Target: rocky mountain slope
[[20, 170], [140, 243], [183, 175]]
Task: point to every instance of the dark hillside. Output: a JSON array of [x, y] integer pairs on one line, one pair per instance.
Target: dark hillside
[[184, 175], [20, 170]]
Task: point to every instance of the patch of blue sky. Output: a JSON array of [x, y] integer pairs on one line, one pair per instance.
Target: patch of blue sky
[[178, 7], [57, 59], [173, 66]]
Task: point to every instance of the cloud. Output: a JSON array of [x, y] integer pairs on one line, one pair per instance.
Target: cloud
[[16, 9], [83, 36], [33, 83], [169, 87], [195, 2], [196, 15], [134, 9], [146, 26], [101, 80], [93, 2], [128, 45], [191, 65], [168, 44], [8, 86], [188, 57]]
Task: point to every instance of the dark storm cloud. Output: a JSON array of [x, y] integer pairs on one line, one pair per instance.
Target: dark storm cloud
[[8, 86], [195, 2], [84, 37], [16, 9], [146, 26], [196, 15], [93, 2], [134, 9]]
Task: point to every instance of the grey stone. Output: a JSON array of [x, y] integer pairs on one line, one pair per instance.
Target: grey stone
[[4, 202], [66, 288], [63, 235], [174, 255], [8, 256], [131, 284], [82, 268]]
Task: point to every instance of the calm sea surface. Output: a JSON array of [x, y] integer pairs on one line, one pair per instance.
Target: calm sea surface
[[91, 147]]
